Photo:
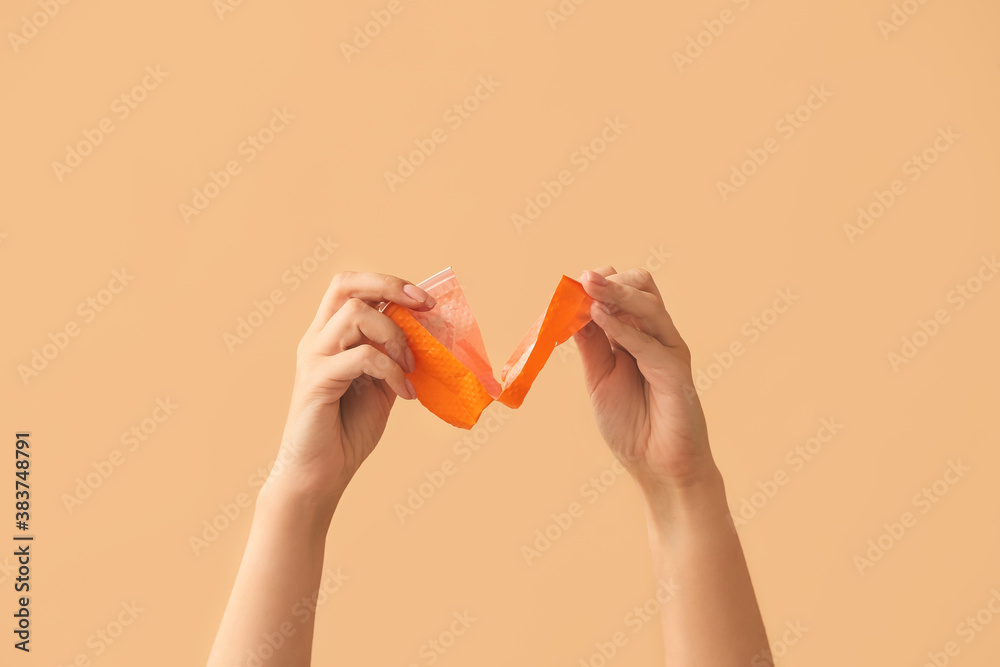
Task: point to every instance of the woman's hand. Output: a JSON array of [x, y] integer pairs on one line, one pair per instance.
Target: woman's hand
[[350, 369], [638, 373], [351, 365]]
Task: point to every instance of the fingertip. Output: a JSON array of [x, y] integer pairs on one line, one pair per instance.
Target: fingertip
[[424, 307], [422, 298], [595, 277], [593, 288]]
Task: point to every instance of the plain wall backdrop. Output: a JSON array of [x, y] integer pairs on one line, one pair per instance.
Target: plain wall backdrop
[[812, 185]]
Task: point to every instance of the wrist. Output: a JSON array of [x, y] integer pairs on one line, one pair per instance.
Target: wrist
[[295, 508], [694, 500]]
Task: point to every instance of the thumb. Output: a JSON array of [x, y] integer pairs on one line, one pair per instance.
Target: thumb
[[596, 353]]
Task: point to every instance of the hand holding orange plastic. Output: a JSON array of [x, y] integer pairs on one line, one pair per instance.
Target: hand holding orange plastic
[[453, 377]]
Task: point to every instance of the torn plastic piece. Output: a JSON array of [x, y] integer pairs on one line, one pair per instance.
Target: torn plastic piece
[[453, 376]]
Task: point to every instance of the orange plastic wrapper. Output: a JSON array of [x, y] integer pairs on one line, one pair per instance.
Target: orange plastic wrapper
[[453, 377]]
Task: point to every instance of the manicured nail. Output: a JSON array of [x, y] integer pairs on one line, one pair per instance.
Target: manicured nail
[[415, 292], [411, 389], [596, 278], [431, 301], [411, 362]]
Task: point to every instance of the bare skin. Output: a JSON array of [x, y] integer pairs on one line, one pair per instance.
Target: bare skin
[[648, 411], [351, 366]]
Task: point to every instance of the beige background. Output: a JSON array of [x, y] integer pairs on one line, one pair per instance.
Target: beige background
[[652, 192]]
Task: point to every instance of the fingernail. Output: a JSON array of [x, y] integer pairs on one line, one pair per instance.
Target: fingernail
[[602, 307], [411, 362], [596, 278], [431, 301], [411, 389], [415, 292]]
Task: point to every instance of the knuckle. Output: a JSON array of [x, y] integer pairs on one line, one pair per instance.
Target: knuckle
[[369, 354], [301, 347], [641, 276], [642, 279], [355, 306], [340, 279], [625, 293], [374, 359], [653, 304], [392, 283]]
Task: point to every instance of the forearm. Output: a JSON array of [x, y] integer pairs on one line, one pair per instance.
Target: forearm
[[281, 567], [713, 619]]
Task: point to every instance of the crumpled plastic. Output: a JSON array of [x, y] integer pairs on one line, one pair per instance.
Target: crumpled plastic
[[453, 377]]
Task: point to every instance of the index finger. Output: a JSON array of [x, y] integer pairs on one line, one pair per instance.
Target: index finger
[[634, 296], [370, 287]]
